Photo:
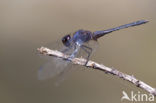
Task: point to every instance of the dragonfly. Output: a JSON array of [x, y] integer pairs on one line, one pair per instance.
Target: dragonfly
[[76, 42]]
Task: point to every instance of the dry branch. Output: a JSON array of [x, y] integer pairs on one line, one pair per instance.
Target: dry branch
[[94, 65]]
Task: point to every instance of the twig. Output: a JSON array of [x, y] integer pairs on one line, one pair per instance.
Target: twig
[[92, 64]]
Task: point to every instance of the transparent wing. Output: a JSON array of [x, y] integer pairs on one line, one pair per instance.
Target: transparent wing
[[54, 66]]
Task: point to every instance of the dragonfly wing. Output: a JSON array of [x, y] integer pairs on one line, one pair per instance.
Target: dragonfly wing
[[52, 68], [54, 65]]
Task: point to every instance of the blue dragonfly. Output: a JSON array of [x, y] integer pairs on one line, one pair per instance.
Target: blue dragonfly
[[76, 42]]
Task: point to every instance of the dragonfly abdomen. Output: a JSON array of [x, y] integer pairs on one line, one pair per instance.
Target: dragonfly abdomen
[[98, 34]]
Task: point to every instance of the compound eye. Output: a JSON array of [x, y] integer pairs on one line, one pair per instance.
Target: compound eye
[[68, 37], [66, 40]]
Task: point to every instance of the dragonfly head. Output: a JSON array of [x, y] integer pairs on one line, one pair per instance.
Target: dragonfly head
[[66, 40]]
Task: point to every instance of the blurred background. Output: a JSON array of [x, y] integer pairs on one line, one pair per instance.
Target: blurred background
[[26, 25]]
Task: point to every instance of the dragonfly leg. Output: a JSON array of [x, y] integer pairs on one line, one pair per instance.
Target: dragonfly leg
[[86, 48], [75, 52]]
